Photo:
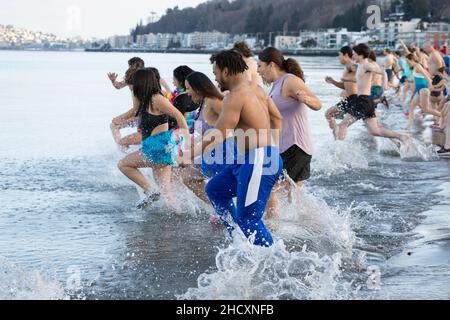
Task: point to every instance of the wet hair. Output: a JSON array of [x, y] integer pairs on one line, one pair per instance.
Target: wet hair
[[373, 56], [146, 85], [231, 60], [244, 49], [181, 74], [399, 53], [347, 51], [203, 86], [362, 49], [134, 64], [388, 50], [290, 65]]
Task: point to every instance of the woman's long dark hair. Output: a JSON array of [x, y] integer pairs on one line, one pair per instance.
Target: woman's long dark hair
[[290, 65], [146, 85], [203, 86], [181, 74]]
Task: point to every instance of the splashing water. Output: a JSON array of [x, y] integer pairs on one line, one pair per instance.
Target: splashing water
[[418, 151], [245, 272], [311, 220], [17, 284], [341, 156]]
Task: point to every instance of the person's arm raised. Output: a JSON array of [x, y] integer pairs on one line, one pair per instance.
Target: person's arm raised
[[113, 78], [298, 90], [164, 85]]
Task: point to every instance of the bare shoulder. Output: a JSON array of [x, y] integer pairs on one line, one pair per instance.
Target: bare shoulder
[[293, 82], [159, 98], [215, 104]]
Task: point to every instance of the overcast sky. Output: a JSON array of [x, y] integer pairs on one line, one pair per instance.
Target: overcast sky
[[96, 18]]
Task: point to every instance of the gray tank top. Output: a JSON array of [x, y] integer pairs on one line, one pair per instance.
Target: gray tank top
[[296, 129]]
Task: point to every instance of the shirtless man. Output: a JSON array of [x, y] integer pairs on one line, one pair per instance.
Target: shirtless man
[[365, 109], [435, 61], [389, 63], [348, 84], [260, 164]]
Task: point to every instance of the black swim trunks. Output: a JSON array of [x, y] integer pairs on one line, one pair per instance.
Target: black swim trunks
[[365, 108], [297, 163], [348, 104]]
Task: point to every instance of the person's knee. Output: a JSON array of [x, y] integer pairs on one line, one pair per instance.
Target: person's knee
[[375, 131], [121, 166]]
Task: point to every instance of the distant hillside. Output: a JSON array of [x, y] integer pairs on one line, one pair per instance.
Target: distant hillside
[[263, 16]]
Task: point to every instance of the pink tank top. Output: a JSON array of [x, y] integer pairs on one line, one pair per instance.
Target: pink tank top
[[296, 130]]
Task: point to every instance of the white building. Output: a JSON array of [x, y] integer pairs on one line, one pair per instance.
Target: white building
[[207, 40], [286, 42], [120, 41], [389, 32], [333, 38]]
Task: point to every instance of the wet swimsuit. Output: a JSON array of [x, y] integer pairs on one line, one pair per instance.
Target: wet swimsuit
[[157, 148], [348, 103], [366, 108], [436, 80], [376, 92], [420, 81], [149, 122], [390, 74], [359, 107], [252, 183]]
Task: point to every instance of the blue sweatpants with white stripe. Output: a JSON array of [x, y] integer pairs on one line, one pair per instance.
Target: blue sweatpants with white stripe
[[252, 183]]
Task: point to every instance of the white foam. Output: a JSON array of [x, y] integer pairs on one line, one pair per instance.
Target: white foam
[[18, 284]]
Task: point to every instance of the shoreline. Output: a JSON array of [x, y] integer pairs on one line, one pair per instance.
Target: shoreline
[[311, 53]]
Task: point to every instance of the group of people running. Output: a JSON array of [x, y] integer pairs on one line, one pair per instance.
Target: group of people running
[[422, 77], [236, 141]]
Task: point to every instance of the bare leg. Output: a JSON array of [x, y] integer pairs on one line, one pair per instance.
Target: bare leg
[[425, 103], [412, 107], [129, 167], [273, 207], [330, 115], [344, 125], [405, 93], [379, 131], [163, 176], [194, 180]]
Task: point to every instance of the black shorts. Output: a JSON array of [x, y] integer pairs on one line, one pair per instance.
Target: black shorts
[[348, 104], [297, 163], [364, 108]]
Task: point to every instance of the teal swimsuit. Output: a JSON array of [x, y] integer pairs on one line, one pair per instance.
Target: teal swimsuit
[[420, 81]]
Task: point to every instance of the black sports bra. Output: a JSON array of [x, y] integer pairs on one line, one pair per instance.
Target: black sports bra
[[149, 122]]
